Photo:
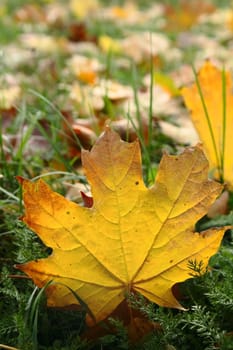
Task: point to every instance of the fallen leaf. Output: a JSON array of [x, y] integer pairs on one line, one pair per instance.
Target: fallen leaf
[[123, 12], [134, 321], [84, 99], [30, 13], [162, 103], [85, 68], [44, 43], [165, 81], [219, 145], [76, 192], [142, 46], [182, 76], [85, 135], [9, 96], [133, 239], [78, 32], [56, 14], [19, 56], [130, 14], [79, 63], [87, 77], [220, 206], [113, 90], [87, 200], [108, 44], [128, 129], [183, 15], [182, 132], [83, 9], [3, 10], [79, 133]]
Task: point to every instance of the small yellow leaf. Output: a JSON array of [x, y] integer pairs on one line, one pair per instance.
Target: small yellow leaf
[[9, 96], [120, 12], [88, 77], [107, 44], [3, 10], [133, 238], [82, 9], [164, 81], [85, 68], [219, 152]]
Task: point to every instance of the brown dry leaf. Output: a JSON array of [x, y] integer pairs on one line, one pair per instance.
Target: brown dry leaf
[[30, 13], [220, 206]]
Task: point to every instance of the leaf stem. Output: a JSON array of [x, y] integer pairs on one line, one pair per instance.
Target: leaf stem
[[150, 127]]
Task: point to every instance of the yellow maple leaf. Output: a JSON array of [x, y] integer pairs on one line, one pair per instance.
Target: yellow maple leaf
[[133, 239], [214, 125]]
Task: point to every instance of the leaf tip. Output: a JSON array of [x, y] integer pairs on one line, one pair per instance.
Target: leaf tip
[[20, 179], [87, 200]]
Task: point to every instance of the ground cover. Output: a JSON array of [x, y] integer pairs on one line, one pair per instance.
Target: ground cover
[[68, 70]]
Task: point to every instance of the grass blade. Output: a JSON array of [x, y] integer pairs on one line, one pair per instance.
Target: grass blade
[[224, 121]]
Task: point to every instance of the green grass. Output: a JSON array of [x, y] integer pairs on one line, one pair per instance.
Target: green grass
[[35, 143]]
